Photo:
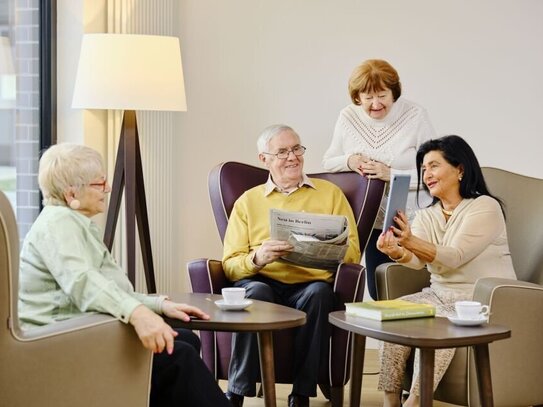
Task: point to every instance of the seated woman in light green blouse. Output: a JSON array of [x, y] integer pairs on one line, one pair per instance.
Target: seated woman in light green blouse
[[67, 271]]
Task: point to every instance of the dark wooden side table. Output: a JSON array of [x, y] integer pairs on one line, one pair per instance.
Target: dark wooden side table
[[260, 317], [427, 334]]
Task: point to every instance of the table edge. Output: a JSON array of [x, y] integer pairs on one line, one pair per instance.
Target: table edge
[[209, 325], [420, 342]]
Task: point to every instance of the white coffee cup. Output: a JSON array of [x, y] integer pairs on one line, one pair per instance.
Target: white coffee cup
[[471, 310], [233, 295]]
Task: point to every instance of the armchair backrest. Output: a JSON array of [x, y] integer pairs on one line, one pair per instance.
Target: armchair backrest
[[228, 181], [523, 198], [9, 263]]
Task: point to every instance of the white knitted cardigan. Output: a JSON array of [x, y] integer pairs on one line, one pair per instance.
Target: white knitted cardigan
[[394, 141]]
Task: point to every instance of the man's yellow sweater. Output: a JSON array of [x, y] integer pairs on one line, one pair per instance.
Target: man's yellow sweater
[[248, 227]]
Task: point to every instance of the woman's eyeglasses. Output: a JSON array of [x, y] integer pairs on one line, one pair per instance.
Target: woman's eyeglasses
[[101, 186]]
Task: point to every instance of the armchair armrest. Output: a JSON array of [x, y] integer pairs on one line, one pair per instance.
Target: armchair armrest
[[517, 305], [491, 289], [90, 360], [207, 276], [64, 328], [394, 280], [348, 287], [349, 283]]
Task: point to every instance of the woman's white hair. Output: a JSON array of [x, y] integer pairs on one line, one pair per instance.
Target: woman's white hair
[[270, 132], [63, 166]]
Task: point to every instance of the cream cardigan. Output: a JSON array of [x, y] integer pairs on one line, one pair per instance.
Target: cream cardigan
[[470, 245]]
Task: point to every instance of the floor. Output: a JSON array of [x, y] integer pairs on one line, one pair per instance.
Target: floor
[[370, 396]]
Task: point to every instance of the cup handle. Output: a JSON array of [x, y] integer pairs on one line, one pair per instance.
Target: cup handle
[[485, 311]]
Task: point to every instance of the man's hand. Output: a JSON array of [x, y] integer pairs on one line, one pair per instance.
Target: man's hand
[[270, 251], [154, 333], [182, 311]]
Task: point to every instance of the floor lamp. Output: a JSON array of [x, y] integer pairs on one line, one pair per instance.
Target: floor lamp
[[130, 72]]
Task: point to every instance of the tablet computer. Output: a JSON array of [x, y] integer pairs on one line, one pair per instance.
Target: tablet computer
[[397, 198]]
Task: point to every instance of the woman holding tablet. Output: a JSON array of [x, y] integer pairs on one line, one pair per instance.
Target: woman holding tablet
[[378, 135], [460, 238]]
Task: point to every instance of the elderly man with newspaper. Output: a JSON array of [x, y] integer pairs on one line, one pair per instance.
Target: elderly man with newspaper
[[255, 260]]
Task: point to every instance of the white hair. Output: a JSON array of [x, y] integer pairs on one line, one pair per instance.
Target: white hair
[[270, 132], [63, 166]]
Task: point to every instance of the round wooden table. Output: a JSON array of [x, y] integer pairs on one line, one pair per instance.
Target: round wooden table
[[260, 317], [427, 334]]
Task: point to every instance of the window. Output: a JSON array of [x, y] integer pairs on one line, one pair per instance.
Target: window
[[27, 100]]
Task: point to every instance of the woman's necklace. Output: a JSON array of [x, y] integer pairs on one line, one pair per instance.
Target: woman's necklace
[[450, 212]]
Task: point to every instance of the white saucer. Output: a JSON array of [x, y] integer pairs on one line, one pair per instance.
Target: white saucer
[[233, 307], [468, 322]]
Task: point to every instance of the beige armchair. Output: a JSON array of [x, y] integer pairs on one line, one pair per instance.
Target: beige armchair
[[89, 361], [516, 363]]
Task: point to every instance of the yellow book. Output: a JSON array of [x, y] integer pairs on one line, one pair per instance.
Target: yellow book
[[389, 309]]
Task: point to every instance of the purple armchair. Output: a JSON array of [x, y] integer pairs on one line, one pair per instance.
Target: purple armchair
[[227, 181]]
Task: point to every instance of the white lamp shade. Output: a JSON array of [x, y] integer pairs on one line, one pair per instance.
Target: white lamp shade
[[129, 72]]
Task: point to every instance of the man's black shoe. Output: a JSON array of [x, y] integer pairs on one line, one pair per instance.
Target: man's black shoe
[[235, 399], [295, 400]]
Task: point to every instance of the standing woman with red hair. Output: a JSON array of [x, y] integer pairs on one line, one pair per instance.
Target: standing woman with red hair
[[378, 135]]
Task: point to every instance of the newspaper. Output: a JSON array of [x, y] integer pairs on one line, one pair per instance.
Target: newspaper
[[320, 241]]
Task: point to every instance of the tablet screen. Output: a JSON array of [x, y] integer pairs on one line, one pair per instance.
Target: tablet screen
[[397, 198]]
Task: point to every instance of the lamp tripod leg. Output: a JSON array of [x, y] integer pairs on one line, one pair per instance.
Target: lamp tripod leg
[[129, 174]]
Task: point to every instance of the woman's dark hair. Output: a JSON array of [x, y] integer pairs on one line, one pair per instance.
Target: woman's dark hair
[[458, 153]]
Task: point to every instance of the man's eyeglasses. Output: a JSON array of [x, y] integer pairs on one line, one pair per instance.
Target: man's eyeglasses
[[101, 186], [284, 153]]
